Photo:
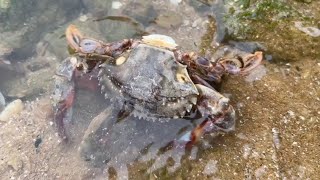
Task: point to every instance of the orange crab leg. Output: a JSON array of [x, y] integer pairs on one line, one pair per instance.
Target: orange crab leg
[[252, 62], [224, 122], [92, 49], [74, 37], [242, 66], [62, 110]]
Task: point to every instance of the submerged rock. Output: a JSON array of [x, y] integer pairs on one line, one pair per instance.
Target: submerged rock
[[14, 108], [5, 4], [169, 20], [211, 167], [311, 31], [2, 102]]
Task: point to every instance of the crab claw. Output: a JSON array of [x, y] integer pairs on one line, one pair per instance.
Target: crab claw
[[242, 65], [74, 37], [80, 44], [217, 109], [219, 115]]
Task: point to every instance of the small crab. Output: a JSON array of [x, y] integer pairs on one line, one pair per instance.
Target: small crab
[[151, 79]]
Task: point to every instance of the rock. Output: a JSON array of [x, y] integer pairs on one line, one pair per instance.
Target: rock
[[4, 49], [98, 7], [211, 167], [256, 74], [5, 4], [35, 80], [20, 25], [2, 102], [116, 5], [143, 11], [260, 171], [175, 2], [169, 20], [83, 18], [88, 147], [36, 83], [14, 108], [311, 31]]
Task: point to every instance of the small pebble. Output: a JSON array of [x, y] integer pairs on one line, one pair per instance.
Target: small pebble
[[116, 5], [193, 154], [12, 109], [5, 4], [260, 171], [196, 23], [291, 113], [242, 136], [2, 61], [211, 167], [246, 151], [175, 2], [311, 31], [276, 138], [15, 163], [37, 142], [268, 57], [256, 74], [83, 18]]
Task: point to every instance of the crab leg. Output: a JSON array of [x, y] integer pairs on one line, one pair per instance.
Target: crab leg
[[63, 96], [203, 68], [92, 49], [63, 111], [90, 53], [209, 125]]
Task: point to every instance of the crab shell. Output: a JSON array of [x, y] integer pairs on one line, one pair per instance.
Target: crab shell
[[150, 77]]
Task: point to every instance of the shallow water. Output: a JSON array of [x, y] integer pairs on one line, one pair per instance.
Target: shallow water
[[278, 113]]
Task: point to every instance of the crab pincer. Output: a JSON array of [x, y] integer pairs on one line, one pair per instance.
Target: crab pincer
[[217, 112], [94, 50], [242, 65], [66, 76]]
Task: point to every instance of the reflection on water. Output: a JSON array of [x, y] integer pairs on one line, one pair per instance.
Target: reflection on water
[[32, 45]]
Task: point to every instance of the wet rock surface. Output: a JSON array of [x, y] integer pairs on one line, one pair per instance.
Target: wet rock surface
[[278, 116], [20, 24], [2, 102]]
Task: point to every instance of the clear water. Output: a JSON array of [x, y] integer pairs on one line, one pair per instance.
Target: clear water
[[277, 115]]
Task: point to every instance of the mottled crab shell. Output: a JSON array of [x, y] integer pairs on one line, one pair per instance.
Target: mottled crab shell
[[151, 79]]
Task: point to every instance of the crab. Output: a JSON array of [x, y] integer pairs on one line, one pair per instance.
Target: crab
[[150, 78]]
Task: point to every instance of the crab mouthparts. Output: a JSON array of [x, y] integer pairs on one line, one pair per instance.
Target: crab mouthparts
[[179, 106]]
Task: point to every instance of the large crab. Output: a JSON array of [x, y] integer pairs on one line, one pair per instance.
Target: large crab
[[152, 79]]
